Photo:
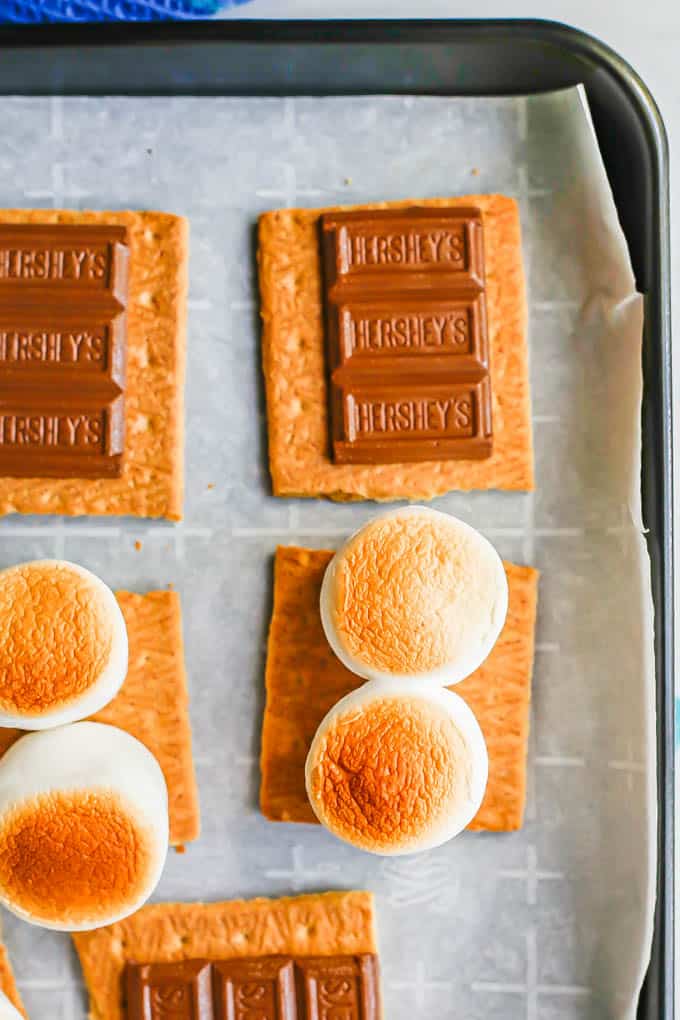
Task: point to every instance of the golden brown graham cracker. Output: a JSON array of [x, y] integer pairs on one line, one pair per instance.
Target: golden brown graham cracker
[[338, 923], [7, 983], [295, 373], [153, 703], [151, 482], [304, 680]]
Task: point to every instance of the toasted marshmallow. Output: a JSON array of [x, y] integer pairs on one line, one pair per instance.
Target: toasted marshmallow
[[83, 826], [63, 644], [414, 593], [7, 1010], [397, 768]]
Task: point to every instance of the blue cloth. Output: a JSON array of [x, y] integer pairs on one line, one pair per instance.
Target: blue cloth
[[33, 11]]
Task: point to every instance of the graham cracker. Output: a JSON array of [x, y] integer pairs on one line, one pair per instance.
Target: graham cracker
[[304, 679], [327, 924], [294, 365], [7, 983], [153, 703], [151, 483]]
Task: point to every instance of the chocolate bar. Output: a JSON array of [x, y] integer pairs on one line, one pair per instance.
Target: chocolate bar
[[406, 335], [63, 294], [268, 988]]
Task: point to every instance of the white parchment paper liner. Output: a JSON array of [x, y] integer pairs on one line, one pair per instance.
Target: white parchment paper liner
[[552, 923]]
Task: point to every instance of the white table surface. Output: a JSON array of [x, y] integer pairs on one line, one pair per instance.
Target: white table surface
[[646, 34]]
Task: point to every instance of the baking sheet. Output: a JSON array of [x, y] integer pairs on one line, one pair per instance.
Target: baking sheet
[[552, 923]]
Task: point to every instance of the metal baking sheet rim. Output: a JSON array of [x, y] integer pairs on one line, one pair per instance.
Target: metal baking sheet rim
[[67, 59]]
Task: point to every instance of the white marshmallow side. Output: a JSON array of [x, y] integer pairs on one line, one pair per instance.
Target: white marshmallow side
[[109, 681], [466, 662], [458, 711], [7, 1010], [91, 757]]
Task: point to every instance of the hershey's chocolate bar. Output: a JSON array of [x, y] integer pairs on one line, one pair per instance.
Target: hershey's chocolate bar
[[406, 335], [63, 290], [265, 988]]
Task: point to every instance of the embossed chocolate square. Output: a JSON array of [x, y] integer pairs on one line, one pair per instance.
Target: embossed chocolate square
[[406, 335], [63, 293], [263, 988], [401, 421], [181, 991], [51, 437], [398, 248], [375, 334], [60, 348], [346, 987], [46, 261]]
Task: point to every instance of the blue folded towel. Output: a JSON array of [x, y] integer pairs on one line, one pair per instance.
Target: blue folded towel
[[32, 11]]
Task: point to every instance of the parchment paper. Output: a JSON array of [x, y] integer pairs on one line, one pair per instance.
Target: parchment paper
[[552, 923]]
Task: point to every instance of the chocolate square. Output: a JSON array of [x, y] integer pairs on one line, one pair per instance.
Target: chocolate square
[[46, 262], [169, 991], [339, 986], [374, 335], [393, 424], [262, 988], [395, 249], [54, 437]]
